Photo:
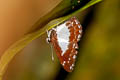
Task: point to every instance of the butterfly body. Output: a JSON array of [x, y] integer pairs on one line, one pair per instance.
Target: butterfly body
[[64, 39]]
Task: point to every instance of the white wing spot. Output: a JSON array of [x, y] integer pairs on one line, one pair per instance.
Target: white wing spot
[[74, 57], [73, 45], [76, 52], [76, 46], [79, 36], [80, 31], [63, 37], [73, 65], [64, 63], [69, 59], [71, 68], [72, 23], [76, 21], [79, 26]]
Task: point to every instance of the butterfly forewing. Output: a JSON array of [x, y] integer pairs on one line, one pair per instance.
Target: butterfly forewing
[[64, 39]]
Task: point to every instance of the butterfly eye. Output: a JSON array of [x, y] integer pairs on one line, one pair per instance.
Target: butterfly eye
[[48, 40]]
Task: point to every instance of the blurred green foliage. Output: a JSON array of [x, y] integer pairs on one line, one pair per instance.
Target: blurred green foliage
[[99, 53]]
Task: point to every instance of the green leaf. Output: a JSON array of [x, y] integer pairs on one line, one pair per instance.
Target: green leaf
[[20, 44]]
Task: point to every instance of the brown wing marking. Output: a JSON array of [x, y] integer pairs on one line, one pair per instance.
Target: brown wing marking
[[70, 55], [68, 59]]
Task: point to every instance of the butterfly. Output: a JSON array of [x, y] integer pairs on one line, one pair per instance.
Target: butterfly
[[64, 38]]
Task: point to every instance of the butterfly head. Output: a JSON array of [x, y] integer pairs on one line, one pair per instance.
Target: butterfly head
[[48, 39]]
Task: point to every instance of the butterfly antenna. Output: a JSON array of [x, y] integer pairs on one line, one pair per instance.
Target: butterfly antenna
[[52, 52]]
